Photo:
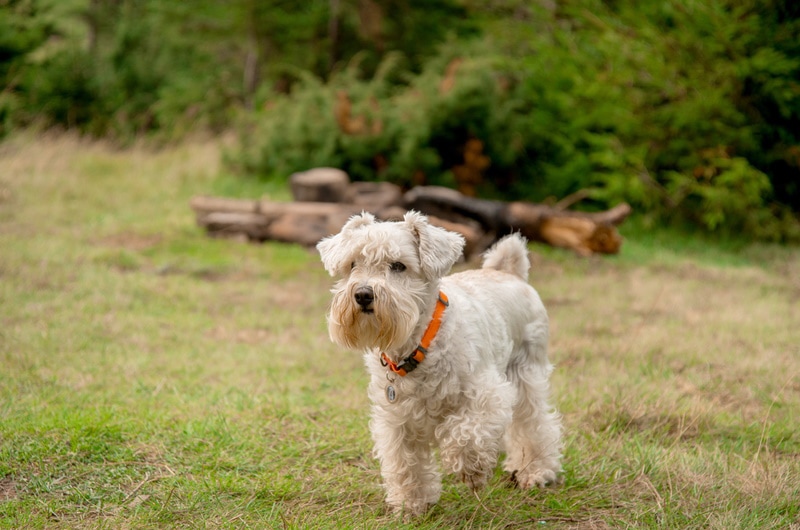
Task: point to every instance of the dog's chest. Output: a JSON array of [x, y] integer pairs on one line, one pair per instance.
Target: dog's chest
[[415, 401]]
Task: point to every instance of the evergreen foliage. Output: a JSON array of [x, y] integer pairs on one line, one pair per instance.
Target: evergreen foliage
[[688, 109]]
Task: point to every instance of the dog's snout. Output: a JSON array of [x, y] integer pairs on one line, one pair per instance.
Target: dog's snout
[[364, 296]]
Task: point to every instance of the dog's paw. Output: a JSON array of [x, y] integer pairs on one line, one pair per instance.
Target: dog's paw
[[536, 478], [410, 510]]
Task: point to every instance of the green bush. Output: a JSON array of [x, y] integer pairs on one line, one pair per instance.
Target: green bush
[[687, 110], [416, 132], [723, 192], [619, 99], [130, 67]]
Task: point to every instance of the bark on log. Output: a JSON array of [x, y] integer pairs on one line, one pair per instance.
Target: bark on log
[[234, 224], [480, 221], [585, 233], [519, 213], [447, 203], [299, 222]]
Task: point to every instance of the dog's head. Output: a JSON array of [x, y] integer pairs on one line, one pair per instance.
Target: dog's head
[[389, 273]]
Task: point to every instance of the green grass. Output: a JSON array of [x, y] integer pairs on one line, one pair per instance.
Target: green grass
[[154, 377]]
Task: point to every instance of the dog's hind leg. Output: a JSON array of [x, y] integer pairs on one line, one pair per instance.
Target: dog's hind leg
[[533, 440]]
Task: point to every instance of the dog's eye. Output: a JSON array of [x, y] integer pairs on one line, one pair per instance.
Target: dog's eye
[[352, 265], [397, 267]]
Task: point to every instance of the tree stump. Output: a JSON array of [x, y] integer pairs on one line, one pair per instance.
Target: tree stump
[[322, 184]]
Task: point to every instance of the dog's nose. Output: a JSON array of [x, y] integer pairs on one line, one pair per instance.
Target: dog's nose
[[364, 297]]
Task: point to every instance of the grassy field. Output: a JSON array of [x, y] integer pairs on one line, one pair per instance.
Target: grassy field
[[153, 377]]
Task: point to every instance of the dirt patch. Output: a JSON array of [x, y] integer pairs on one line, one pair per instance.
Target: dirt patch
[[8, 489]]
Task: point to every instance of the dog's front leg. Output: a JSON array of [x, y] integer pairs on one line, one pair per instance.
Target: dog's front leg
[[410, 476]]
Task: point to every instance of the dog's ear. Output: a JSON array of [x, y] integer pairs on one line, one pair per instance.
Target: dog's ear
[[334, 250], [439, 249], [357, 221]]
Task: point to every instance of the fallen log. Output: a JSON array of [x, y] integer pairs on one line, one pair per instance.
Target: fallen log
[[480, 221], [235, 224], [449, 204], [585, 233], [260, 220], [302, 222]]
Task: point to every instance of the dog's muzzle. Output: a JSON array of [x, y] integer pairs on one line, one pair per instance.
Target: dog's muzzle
[[365, 296]]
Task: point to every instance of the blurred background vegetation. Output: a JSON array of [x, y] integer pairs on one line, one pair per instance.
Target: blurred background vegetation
[[687, 109]]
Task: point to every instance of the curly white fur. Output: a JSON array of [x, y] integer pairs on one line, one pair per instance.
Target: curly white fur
[[483, 385]]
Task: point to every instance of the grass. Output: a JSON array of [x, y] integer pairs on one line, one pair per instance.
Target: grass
[[153, 377]]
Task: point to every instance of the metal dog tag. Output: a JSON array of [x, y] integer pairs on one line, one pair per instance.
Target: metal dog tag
[[391, 393]]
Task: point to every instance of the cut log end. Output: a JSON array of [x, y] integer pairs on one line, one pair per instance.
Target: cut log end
[[581, 235], [585, 233]]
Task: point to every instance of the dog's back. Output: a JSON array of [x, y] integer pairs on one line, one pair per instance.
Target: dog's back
[[510, 255], [499, 292]]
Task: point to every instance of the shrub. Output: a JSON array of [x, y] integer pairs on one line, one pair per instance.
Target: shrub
[[687, 110], [518, 126]]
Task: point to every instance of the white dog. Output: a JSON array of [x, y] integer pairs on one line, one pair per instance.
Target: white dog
[[458, 362]]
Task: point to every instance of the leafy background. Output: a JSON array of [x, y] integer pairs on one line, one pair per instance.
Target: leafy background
[[688, 109]]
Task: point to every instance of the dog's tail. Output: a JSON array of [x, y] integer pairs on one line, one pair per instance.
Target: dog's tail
[[510, 254]]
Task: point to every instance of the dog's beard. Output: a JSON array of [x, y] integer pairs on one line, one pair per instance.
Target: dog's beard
[[389, 325]]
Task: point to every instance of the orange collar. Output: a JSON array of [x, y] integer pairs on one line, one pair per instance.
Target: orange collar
[[418, 355]]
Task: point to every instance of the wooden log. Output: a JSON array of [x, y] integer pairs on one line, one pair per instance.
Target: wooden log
[[476, 239], [579, 234], [206, 204], [525, 213], [301, 222], [322, 184], [447, 203], [585, 233], [299, 228], [333, 185], [305, 222], [614, 216], [235, 224], [374, 196], [480, 221], [273, 210]]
